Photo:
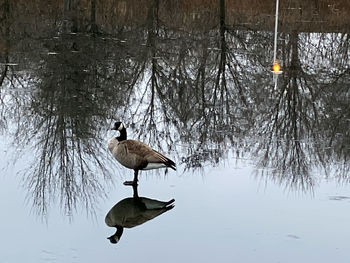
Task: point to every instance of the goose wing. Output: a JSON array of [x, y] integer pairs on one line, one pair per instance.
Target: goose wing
[[147, 153], [153, 204], [144, 151], [137, 147], [131, 212]]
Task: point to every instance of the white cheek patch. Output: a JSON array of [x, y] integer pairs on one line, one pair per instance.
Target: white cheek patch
[[121, 126]]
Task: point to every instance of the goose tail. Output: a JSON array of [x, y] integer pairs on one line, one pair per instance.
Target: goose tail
[[169, 163], [158, 160], [170, 202], [165, 160], [169, 205]]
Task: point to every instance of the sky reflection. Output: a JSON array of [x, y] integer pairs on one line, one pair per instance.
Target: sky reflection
[[263, 170]]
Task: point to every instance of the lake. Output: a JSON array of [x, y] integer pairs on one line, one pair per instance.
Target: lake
[[262, 159]]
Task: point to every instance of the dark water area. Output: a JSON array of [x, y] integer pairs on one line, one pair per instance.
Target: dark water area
[[262, 160]]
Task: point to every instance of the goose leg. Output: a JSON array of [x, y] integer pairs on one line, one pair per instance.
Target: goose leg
[[136, 194], [133, 183]]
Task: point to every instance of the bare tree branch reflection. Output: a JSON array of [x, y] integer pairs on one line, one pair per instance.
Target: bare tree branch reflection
[[293, 128], [197, 85], [63, 128]]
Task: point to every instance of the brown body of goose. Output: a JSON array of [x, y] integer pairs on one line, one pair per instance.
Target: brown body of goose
[[135, 154]]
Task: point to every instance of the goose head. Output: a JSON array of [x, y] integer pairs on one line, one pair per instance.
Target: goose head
[[114, 239], [118, 126]]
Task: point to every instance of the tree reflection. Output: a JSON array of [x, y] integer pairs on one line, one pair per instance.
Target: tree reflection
[[4, 57], [67, 111], [200, 92], [196, 85], [291, 121], [336, 119], [294, 127]]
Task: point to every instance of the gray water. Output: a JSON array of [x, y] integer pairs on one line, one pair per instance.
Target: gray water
[[262, 161]]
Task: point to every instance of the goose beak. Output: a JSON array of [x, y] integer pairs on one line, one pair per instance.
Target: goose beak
[[113, 240]]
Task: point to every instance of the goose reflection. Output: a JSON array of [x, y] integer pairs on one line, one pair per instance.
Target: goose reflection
[[134, 211]]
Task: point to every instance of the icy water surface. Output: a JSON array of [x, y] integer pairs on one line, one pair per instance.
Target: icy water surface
[[262, 162]]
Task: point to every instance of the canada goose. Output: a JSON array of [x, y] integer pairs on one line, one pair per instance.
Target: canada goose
[[135, 154], [134, 211]]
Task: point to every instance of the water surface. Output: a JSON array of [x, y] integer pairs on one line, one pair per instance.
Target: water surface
[[262, 161]]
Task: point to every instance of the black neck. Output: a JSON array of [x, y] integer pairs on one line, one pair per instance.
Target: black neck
[[119, 231], [122, 136]]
